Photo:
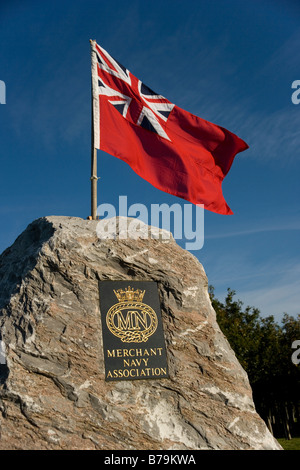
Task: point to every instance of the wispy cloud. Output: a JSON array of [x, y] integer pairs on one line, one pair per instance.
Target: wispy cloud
[[282, 227], [259, 110], [276, 300], [272, 287], [275, 136], [271, 135], [286, 55]]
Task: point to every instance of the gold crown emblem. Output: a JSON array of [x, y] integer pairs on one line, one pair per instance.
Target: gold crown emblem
[[129, 295]]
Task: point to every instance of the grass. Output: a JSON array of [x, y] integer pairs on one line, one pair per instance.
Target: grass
[[290, 444]]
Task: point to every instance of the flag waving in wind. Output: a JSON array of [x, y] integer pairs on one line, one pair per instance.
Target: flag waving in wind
[[174, 150]]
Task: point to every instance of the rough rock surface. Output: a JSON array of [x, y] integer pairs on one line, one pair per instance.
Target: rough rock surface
[[52, 392]]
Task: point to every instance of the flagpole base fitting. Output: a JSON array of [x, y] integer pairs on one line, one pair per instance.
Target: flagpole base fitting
[[89, 217]]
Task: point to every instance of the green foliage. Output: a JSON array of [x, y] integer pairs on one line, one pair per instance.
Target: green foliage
[[264, 349]]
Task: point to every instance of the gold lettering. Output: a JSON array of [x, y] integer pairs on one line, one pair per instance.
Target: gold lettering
[[134, 352], [141, 317], [123, 323], [132, 320], [132, 362], [145, 372]]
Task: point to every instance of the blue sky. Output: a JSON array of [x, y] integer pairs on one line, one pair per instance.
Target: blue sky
[[228, 61]]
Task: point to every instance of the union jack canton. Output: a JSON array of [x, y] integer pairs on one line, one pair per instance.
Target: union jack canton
[[134, 100]]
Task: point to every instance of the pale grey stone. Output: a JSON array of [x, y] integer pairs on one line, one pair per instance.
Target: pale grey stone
[[52, 389]]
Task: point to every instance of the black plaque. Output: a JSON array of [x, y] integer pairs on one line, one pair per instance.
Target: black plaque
[[133, 338]]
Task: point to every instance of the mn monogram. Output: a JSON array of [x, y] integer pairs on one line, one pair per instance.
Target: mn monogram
[[133, 339], [130, 319]]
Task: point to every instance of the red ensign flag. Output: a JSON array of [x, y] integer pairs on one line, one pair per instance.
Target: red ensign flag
[[175, 151]]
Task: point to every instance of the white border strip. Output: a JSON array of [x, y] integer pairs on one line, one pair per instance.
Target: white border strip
[[95, 96]]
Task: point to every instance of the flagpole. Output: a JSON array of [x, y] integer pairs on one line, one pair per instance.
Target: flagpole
[[94, 177], [94, 180]]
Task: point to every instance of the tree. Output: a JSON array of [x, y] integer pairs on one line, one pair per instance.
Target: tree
[[263, 348]]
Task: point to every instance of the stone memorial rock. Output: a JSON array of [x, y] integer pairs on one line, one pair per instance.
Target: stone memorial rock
[[53, 392]]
